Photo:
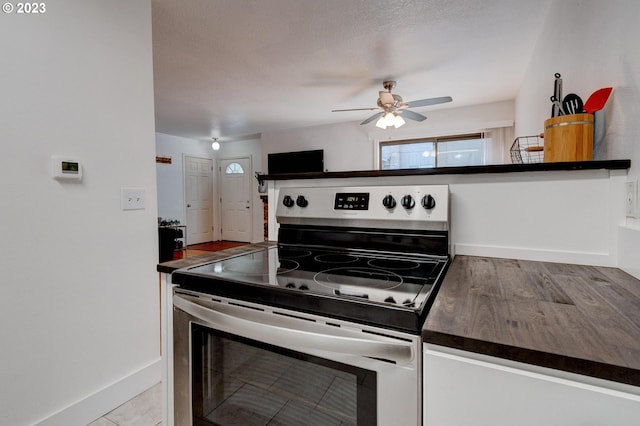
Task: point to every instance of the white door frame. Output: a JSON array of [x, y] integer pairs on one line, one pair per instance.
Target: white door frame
[[218, 201]]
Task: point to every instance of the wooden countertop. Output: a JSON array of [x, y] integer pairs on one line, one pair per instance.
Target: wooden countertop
[[172, 265], [581, 319]]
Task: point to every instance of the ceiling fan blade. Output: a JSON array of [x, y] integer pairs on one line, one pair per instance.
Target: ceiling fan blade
[[411, 115], [431, 101], [373, 117], [355, 109], [386, 98]]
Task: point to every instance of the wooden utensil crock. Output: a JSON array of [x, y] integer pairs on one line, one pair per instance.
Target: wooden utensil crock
[[568, 138]]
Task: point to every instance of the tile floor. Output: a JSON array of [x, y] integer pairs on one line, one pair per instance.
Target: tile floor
[[143, 410]]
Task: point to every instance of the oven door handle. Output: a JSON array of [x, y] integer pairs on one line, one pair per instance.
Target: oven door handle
[[259, 328]]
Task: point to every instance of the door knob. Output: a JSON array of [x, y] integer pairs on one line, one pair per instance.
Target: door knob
[[188, 205]]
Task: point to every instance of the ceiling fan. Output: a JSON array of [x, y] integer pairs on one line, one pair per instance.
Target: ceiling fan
[[394, 109]]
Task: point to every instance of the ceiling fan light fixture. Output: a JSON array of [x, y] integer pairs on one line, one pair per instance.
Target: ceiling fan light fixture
[[398, 121], [388, 103], [215, 145], [390, 119], [381, 123]]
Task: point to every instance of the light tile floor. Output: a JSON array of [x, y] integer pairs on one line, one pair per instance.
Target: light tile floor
[[143, 410]]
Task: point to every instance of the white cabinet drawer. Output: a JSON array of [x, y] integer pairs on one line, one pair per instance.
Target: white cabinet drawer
[[462, 388]]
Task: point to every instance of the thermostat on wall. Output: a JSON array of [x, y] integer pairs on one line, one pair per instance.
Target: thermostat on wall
[[66, 168]]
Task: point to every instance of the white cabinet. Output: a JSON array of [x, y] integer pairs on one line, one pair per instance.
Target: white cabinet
[[463, 388]]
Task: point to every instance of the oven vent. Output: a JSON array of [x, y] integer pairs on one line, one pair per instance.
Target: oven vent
[[383, 360], [255, 308], [293, 316]]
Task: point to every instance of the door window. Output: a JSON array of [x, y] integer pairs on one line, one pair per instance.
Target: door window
[[234, 168]]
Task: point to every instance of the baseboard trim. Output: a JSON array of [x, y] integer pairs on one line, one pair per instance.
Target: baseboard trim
[[91, 407], [557, 256]]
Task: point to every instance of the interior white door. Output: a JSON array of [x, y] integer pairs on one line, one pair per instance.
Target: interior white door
[[235, 199], [198, 177]]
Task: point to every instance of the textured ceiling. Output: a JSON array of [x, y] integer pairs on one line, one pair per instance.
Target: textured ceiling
[[228, 68]]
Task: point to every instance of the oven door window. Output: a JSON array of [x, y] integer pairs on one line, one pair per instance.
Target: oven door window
[[238, 381]]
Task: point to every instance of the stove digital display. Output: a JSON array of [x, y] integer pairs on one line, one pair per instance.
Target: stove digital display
[[351, 201]]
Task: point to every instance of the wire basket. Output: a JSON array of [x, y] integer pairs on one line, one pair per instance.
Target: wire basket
[[527, 149]]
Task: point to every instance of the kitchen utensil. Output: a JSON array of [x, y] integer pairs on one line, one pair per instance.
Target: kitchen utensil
[[572, 104], [557, 93], [557, 107], [597, 100]]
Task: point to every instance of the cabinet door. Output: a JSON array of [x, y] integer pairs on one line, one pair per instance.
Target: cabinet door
[[461, 390]]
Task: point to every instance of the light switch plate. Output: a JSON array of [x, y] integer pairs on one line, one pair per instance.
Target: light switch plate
[[132, 198], [631, 199]]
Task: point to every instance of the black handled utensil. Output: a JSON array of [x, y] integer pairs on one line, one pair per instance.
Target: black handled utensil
[[557, 93], [572, 104], [557, 107]]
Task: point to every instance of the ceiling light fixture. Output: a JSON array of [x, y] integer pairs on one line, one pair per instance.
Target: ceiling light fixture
[[390, 119], [215, 145]]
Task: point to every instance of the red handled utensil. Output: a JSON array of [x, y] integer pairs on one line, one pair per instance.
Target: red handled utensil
[[597, 100]]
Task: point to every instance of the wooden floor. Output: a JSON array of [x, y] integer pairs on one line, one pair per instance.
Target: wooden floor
[[204, 248]]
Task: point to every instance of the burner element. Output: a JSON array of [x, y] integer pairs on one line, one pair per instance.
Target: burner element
[[257, 267], [363, 278], [393, 264], [292, 253], [336, 258]]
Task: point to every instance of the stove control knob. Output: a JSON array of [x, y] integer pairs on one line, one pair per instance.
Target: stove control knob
[[390, 300], [428, 202], [303, 287], [389, 202], [290, 285], [288, 201], [408, 202], [301, 201]]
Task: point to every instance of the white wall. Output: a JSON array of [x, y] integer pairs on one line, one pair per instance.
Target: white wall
[[80, 309], [546, 216], [350, 146], [593, 44], [170, 177]]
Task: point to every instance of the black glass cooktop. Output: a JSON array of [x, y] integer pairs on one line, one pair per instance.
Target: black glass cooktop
[[388, 289]]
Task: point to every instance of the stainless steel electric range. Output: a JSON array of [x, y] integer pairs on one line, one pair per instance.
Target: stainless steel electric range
[[341, 300]]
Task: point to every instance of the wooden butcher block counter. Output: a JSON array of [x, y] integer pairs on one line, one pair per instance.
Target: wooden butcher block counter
[[580, 319]]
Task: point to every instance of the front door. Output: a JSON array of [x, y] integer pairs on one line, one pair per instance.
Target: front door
[[235, 199], [198, 177]]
